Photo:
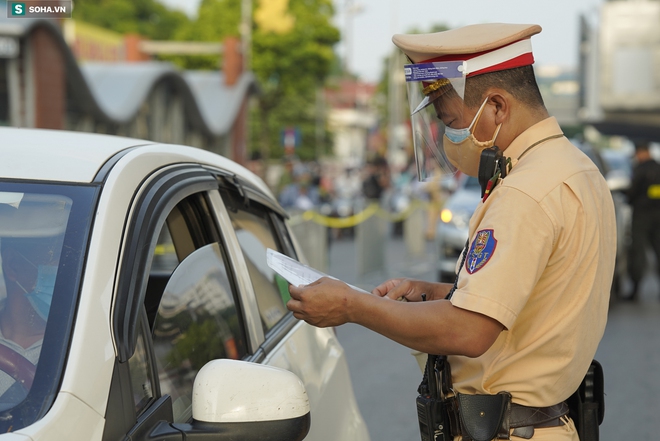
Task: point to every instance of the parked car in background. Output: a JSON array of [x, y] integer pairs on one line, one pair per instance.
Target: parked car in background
[[140, 269], [619, 163], [452, 229], [617, 174]]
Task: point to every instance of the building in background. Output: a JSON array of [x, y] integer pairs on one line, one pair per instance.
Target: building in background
[[620, 69], [352, 119], [69, 75], [560, 88]]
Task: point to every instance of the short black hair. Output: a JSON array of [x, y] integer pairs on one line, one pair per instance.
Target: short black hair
[[519, 82]]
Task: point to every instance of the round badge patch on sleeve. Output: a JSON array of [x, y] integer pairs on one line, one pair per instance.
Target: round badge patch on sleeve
[[481, 251]]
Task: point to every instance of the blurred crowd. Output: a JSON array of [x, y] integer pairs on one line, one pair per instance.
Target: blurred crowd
[[337, 190]]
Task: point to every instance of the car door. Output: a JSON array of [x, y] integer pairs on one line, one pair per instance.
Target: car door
[[313, 354], [194, 280], [177, 280]]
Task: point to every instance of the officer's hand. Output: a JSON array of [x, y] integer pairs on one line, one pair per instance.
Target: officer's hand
[[411, 290], [387, 286], [323, 303]]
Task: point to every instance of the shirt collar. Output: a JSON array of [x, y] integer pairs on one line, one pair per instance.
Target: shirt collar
[[535, 133]]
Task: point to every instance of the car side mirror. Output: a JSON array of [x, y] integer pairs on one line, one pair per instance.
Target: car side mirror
[[235, 399]]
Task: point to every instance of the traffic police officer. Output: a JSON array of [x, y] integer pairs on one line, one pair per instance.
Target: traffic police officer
[[529, 306], [644, 198]]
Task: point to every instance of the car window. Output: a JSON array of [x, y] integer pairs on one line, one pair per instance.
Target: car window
[[165, 258], [43, 232], [197, 322], [191, 305], [283, 234], [256, 233], [31, 239], [140, 372]]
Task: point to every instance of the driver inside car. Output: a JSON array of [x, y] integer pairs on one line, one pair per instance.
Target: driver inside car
[[29, 269]]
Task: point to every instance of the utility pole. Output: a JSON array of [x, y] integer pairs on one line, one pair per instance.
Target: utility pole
[[320, 122], [350, 9], [394, 89], [246, 33]]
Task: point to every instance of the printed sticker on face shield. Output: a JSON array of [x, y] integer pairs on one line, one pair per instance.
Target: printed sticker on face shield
[[435, 78]]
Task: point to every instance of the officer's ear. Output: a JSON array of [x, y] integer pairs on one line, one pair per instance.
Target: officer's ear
[[500, 101]]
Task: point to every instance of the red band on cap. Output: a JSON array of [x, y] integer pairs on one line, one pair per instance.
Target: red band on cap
[[513, 55], [520, 61], [455, 57]]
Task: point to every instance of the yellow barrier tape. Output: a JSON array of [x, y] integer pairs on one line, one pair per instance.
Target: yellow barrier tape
[[341, 222], [398, 217], [351, 221], [163, 249]]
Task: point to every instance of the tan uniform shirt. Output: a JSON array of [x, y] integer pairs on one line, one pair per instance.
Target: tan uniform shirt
[[541, 259]]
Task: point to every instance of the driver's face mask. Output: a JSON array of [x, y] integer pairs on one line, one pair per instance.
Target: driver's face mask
[[41, 295], [464, 150]]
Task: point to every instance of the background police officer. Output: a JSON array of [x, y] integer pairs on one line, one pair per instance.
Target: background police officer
[[644, 198]]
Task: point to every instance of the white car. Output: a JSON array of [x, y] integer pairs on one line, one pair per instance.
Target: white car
[[137, 303], [452, 229]]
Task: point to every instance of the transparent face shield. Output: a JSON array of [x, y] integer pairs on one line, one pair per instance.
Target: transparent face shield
[[435, 90]]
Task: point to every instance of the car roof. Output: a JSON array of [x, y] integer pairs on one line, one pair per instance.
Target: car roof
[[60, 155]]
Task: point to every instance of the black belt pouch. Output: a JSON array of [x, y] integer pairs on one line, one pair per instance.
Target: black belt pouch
[[587, 404], [484, 417]]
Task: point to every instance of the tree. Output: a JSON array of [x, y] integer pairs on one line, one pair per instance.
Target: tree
[[145, 17], [292, 54], [388, 71]]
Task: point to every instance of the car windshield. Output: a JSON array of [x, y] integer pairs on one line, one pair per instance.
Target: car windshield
[[43, 233]]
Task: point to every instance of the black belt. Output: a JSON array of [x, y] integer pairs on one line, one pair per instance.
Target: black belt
[[524, 419]]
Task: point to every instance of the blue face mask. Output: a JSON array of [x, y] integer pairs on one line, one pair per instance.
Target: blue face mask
[[459, 135], [42, 295]]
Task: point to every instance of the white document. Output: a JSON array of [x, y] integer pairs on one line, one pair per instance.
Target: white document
[[294, 272]]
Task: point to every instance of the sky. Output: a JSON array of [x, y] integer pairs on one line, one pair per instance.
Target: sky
[[373, 22]]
